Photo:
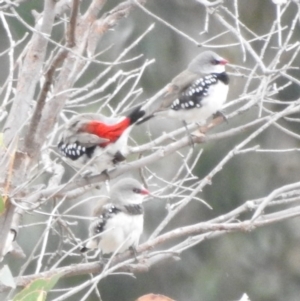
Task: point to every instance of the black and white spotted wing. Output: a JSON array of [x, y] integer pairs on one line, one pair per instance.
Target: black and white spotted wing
[[192, 96], [74, 150], [108, 212]]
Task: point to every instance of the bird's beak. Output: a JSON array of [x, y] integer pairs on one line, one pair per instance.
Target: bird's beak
[[223, 62], [145, 191]]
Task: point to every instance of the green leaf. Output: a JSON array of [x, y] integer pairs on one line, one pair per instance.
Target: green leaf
[[2, 205], [51, 282], [37, 290], [1, 140], [6, 277]]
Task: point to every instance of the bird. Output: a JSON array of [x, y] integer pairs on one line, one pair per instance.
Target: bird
[[118, 224], [195, 94], [97, 142]]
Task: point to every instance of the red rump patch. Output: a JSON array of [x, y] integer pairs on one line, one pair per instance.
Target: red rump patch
[[111, 132]]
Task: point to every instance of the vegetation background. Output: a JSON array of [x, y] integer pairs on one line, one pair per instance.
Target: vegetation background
[[265, 262]]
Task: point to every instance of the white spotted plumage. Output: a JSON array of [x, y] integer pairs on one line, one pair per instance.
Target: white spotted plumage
[[204, 76], [90, 151], [119, 222], [205, 95]]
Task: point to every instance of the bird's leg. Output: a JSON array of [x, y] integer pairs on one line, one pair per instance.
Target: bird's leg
[[105, 173], [134, 252], [107, 180], [218, 118], [83, 249], [103, 261], [188, 133], [118, 158], [101, 257], [92, 257], [220, 114], [86, 174]]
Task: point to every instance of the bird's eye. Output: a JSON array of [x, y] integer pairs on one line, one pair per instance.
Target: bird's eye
[[136, 190], [214, 62]]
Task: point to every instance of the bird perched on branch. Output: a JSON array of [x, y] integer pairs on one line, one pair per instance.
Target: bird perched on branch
[[96, 141], [195, 94], [119, 222]]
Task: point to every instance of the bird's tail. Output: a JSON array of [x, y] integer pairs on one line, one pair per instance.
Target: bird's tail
[[135, 115], [145, 119], [113, 132], [83, 249], [90, 245]]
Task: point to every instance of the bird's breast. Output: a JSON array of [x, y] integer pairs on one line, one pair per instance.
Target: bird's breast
[[200, 101], [121, 232]]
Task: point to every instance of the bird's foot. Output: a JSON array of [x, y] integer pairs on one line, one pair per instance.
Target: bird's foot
[[83, 249], [106, 174], [200, 133], [133, 250], [191, 141], [103, 260], [118, 158], [218, 118], [192, 144], [96, 254], [86, 174], [220, 114]]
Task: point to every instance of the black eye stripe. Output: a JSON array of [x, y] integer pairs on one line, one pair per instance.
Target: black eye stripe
[[136, 190]]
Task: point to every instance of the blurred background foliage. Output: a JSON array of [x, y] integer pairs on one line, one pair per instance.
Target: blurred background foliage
[[264, 263]]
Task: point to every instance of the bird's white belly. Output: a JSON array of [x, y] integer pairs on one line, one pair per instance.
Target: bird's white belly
[[104, 157], [121, 145], [121, 232], [216, 98], [211, 103]]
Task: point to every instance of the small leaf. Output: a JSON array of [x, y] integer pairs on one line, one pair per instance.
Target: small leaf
[[42, 296], [37, 290], [153, 297], [2, 205], [51, 282], [6, 277], [1, 141]]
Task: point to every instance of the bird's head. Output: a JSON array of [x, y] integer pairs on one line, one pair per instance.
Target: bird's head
[[128, 190], [72, 128], [207, 62], [78, 123]]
